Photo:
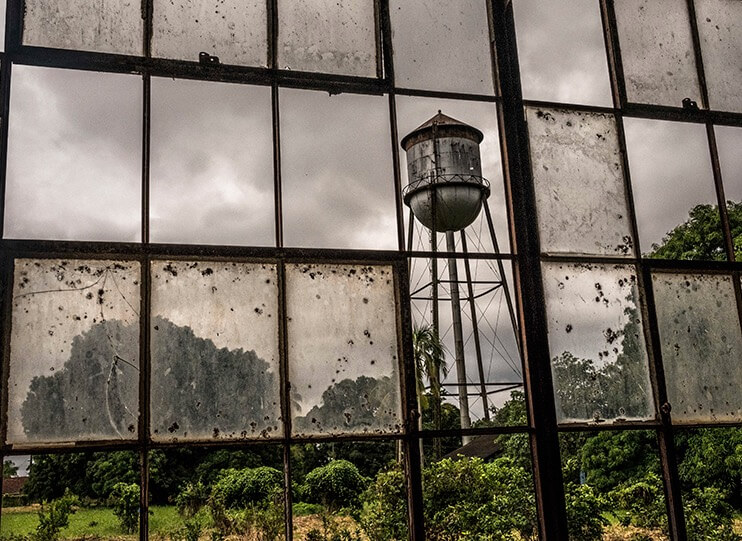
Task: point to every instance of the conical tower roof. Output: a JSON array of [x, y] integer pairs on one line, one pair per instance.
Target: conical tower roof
[[445, 126]]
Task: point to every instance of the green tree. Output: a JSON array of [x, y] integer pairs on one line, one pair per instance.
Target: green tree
[[427, 350], [9, 469]]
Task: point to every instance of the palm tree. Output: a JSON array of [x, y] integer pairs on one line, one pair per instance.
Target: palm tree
[[429, 362]]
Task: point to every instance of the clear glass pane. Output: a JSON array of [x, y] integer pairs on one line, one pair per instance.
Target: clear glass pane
[[327, 36], [74, 351], [214, 350], [236, 31], [670, 163], [657, 51], [412, 112], [74, 155], [701, 345], [212, 165], [596, 338], [561, 51], [343, 351], [578, 176], [338, 185], [720, 30], [613, 481], [106, 26], [442, 45], [729, 143]]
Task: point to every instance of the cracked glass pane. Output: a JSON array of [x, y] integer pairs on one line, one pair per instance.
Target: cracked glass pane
[[235, 31], [442, 45], [74, 351], [343, 351], [578, 176], [212, 163], [657, 51], [720, 30], [74, 156], [701, 345], [599, 357], [106, 26], [327, 36], [214, 341]]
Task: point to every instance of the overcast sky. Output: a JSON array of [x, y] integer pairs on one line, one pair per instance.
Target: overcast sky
[[74, 159]]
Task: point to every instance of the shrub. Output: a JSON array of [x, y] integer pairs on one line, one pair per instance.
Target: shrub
[[335, 485], [53, 517], [384, 512], [237, 489], [708, 516], [125, 501], [584, 512], [191, 499], [640, 503]]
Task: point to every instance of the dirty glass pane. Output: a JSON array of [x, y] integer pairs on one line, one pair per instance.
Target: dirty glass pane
[[338, 184], [343, 355], [214, 350], [235, 31], [327, 36], [442, 45], [578, 176], [619, 467], [106, 26], [598, 354], [490, 358], [657, 51], [701, 345], [74, 351], [729, 143], [212, 164], [74, 155], [319, 506], [720, 30], [412, 112], [561, 51], [673, 184]]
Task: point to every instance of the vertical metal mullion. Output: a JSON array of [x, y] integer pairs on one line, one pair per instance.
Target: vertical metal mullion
[[720, 196], [668, 456], [552, 517], [613, 52], [145, 303], [285, 398], [13, 25], [700, 70], [5, 77], [410, 413], [6, 287], [277, 179], [272, 22]]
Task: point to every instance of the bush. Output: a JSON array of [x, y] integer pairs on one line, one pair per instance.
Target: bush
[[640, 503], [584, 512], [708, 517], [338, 484], [191, 499], [384, 511], [124, 499], [237, 489], [53, 517]]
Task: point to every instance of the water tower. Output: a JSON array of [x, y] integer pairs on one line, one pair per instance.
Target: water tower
[[446, 194]]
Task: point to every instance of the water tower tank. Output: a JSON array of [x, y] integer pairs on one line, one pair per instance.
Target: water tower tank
[[446, 189]]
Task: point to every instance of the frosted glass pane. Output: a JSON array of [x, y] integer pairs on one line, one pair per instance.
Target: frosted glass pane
[[74, 155], [236, 31], [342, 337], [214, 350], [327, 36], [701, 346], [657, 51], [598, 353], [442, 45], [578, 176], [74, 351], [720, 29], [106, 26], [212, 165]]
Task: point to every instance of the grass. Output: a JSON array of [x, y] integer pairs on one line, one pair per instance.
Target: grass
[[98, 521]]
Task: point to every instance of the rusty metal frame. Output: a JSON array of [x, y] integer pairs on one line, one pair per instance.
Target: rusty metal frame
[[526, 255]]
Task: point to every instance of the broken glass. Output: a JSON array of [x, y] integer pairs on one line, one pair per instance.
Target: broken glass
[[596, 338], [701, 345], [578, 177], [214, 342], [74, 351], [343, 349]]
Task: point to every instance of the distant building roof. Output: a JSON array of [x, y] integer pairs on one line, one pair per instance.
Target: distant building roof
[[484, 447], [14, 485]]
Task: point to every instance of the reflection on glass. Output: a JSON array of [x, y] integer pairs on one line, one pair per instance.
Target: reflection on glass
[[657, 51], [701, 346], [106, 26], [74, 155], [343, 360], [74, 362], [235, 31], [599, 358], [214, 350], [578, 176], [212, 168]]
